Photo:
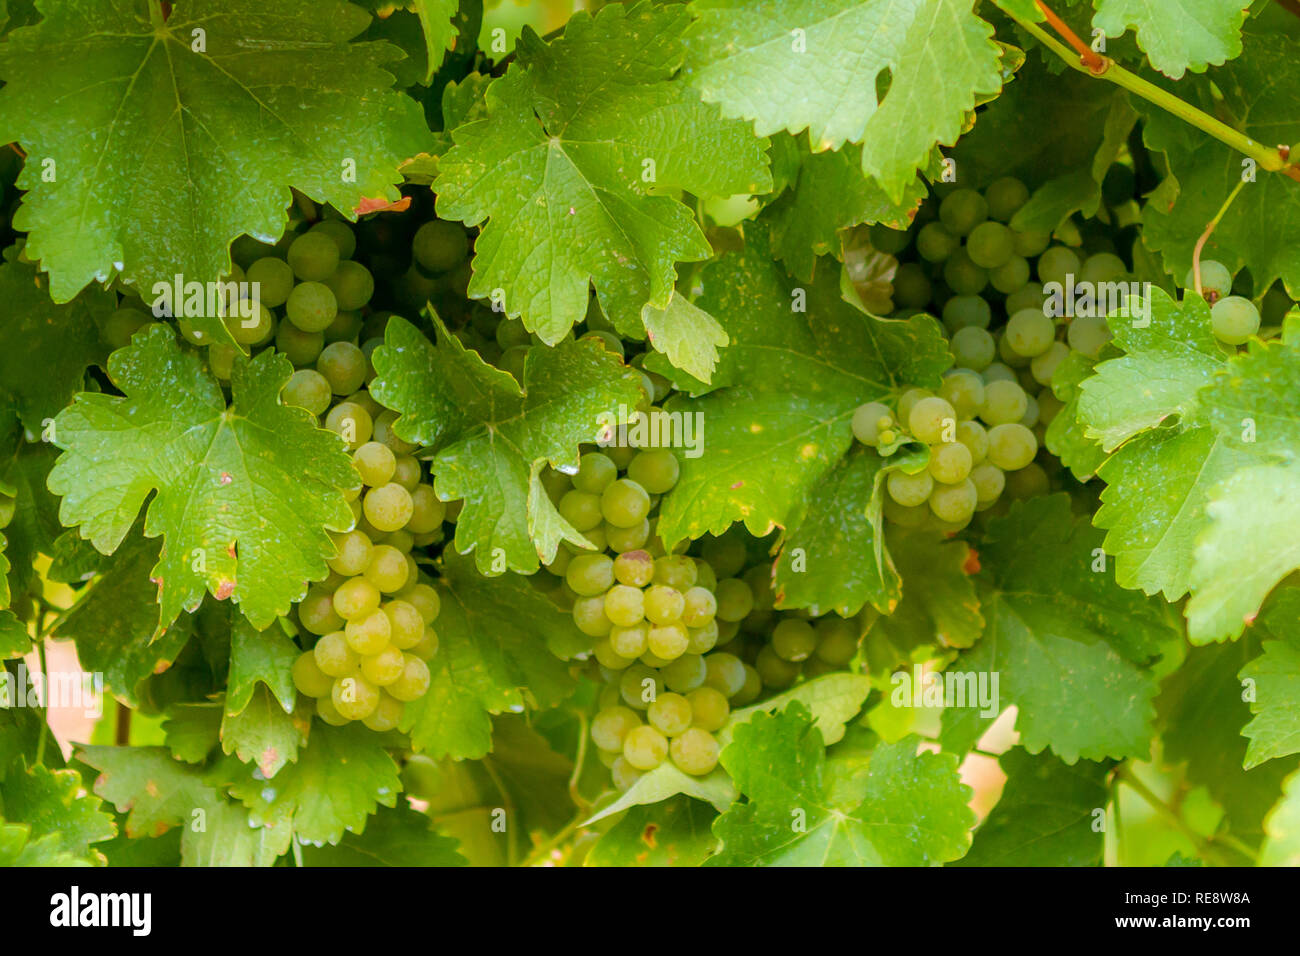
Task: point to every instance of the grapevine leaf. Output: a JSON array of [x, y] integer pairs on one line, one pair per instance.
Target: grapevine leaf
[[581, 136], [487, 433], [193, 730], [244, 494], [1201, 720], [14, 639], [264, 733], [785, 390], [831, 193], [1177, 35], [35, 525], [65, 336], [768, 63], [1064, 625], [52, 802], [688, 335], [436, 18], [1282, 828], [501, 647], [259, 656], [832, 700], [18, 848], [396, 837], [1203, 172], [1065, 435], [904, 809], [666, 781], [221, 128], [115, 620], [672, 833], [1046, 815], [340, 777], [1274, 731], [938, 599]]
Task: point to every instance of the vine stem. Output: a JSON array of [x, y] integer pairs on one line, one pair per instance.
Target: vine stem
[[579, 759], [1205, 847], [1200, 243], [45, 720], [1093, 64]]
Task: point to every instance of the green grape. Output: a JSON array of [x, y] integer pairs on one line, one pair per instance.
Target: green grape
[[384, 433], [909, 490], [962, 210], [866, 422], [663, 604], [963, 390], [703, 638], [911, 286], [1012, 446], [629, 642], [1030, 418], [634, 568], [388, 507], [405, 624], [928, 418], [1005, 196], [656, 471], [837, 641], [626, 539], [668, 641], [963, 310], [375, 463], [386, 715], [307, 389], [1056, 264], [1234, 320], [640, 685], [414, 682], [735, 599], [988, 481], [724, 673], [581, 509], [676, 571], [934, 243], [990, 245], [1049, 406], [905, 516], [963, 276], [316, 612], [950, 462], [1216, 280], [311, 306], [121, 325], [384, 666], [354, 697], [624, 504], [355, 598], [352, 286], [589, 616], [726, 555], [611, 725], [699, 607], [609, 658], [590, 574], [954, 503], [887, 240], [341, 233], [997, 372], [608, 340], [388, 570], [1010, 356], [344, 366], [907, 401], [253, 330], [1030, 332], [1032, 242], [326, 711], [695, 752], [1102, 267], [354, 552], [727, 631], [670, 714], [794, 640], [975, 438], [334, 657], [369, 633], [427, 511], [1011, 276], [423, 598], [595, 473], [1027, 482], [271, 280], [776, 672], [750, 689], [709, 708], [644, 747], [705, 576], [313, 256], [1044, 366], [973, 348], [1003, 402], [299, 347], [624, 605], [440, 246], [510, 333], [1028, 296], [623, 774], [309, 678], [1088, 334]]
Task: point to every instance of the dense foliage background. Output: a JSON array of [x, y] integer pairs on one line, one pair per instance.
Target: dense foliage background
[[981, 315]]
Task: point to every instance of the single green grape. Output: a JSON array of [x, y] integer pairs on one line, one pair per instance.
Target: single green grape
[[725, 673], [590, 575], [973, 348], [950, 462], [837, 641], [963, 275], [1030, 332], [388, 507], [589, 616], [316, 612], [1216, 280], [1005, 196], [581, 509], [1003, 402], [388, 570], [909, 490], [777, 673], [934, 243], [990, 245], [1011, 276], [1088, 334], [699, 607], [354, 552], [405, 624], [963, 389], [344, 365], [655, 470], [313, 256], [299, 347], [375, 463], [954, 503], [369, 633], [624, 605], [989, 481], [866, 422], [793, 640], [663, 604], [440, 246], [677, 571], [354, 697], [595, 473], [644, 747], [307, 389], [334, 657], [386, 715], [341, 233], [311, 306], [1012, 446], [1044, 366], [668, 641], [624, 503], [1056, 264], [686, 673], [929, 417], [384, 666], [735, 599], [309, 678], [1234, 320], [611, 725], [670, 714], [352, 285], [414, 682], [629, 641], [962, 210], [963, 310], [709, 708], [271, 280], [355, 598]]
